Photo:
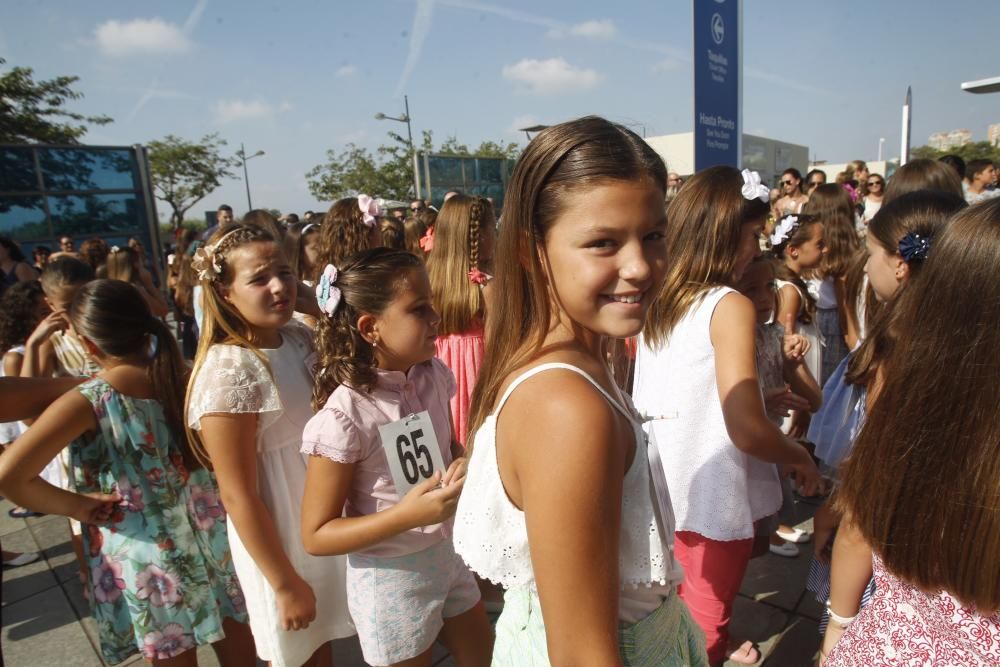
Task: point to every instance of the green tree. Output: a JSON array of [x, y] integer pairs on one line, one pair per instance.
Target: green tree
[[976, 150], [389, 171], [34, 111], [185, 172]]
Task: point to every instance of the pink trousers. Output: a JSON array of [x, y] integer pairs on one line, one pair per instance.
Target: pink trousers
[[713, 572]]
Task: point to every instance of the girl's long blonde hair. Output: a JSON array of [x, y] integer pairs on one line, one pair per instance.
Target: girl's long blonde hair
[[560, 160], [222, 323], [459, 227]]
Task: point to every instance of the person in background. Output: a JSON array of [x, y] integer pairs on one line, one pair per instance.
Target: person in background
[[40, 254], [980, 176], [956, 163], [13, 267], [792, 199], [94, 251], [872, 201], [814, 179], [923, 174]]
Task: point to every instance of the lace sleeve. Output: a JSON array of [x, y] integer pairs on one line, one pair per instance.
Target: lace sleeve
[[332, 435], [233, 380]]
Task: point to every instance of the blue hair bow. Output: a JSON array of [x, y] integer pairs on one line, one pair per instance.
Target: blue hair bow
[[914, 246]]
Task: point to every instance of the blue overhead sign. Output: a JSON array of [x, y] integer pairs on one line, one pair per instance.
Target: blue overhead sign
[[717, 83]]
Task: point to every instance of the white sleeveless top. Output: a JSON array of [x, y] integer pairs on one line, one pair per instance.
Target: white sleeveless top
[[718, 491], [490, 531]]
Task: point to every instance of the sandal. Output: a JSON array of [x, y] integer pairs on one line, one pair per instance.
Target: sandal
[[21, 559], [22, 513], [745, 654]]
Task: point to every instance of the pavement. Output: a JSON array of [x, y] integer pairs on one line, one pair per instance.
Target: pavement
[[46, 621]]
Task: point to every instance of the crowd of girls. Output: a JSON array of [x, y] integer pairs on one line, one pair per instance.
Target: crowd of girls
[[378, 414]]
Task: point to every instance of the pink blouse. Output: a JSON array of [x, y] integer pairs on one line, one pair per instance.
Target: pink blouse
[[345, 430]]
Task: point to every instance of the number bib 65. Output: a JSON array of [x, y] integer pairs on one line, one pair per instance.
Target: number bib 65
[[412, 450]]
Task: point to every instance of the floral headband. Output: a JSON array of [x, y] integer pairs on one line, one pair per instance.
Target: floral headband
[[753, 188], [784, 230], [328, 295], [369, 209], [914, 247], [207, 261]]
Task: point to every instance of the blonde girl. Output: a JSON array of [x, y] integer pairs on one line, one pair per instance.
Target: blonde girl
[[460, 268], [696, 379], [124, 263], [247, 403], [559, 506]]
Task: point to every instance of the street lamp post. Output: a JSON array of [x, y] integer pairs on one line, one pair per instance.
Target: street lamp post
[[881, 141], [405, 118], [242, 155]]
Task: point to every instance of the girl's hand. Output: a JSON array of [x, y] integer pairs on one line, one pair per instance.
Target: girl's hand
[[456, 471], [779, 402], [57, 320], [296, 604], [806, 476], [427, 504], [794, 346], [800, 424], [96, 508]]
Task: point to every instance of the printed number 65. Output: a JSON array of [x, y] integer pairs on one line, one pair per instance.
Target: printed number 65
[[410, 455]]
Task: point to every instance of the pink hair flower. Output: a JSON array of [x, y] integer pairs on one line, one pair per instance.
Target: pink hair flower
[[477, 277], [427, 240], [369, 209]]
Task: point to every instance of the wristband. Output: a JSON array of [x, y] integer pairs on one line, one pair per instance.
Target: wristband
[[842, 621]]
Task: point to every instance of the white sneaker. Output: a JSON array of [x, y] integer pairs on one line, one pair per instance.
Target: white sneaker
[[786, 549], [795, 535]]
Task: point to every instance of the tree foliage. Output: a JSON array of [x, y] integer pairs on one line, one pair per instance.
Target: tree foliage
[[184, 172], [388, 172], [976, 150], [34, 111]]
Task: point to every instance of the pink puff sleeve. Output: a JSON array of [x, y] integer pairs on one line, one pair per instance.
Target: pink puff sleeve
[[444, 379], [331, 434]]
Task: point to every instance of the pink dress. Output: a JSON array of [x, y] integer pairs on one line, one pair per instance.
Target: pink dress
[[463, 354], [906, 626]]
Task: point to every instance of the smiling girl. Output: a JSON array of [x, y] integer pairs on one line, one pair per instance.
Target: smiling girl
[[559, 506], [247, 403]]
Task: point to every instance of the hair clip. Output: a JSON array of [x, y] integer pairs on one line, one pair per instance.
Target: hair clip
[[369, 209], [115, 249], [753, 188], [427, 240], [206, 262], [914, 246], [327, 294], [477, 277], [784, 230]]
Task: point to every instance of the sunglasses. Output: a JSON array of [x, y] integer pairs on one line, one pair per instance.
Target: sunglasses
[[787, 182], [817, 183], [870, 183]]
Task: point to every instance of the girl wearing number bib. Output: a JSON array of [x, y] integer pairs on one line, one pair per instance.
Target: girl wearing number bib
[[247, 402], [560, 506], [385, 470]]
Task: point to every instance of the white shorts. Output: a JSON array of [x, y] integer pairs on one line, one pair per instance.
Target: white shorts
[[399, 604]]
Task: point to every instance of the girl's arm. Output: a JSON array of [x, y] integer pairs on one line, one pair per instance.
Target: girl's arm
[[802, 383], [850, 573], [732, 335], [66, 419], [326, 532], [22, 398], [12, 363], [39, 355], [154, 299], [562, 452], [230, 440], [789, 304]]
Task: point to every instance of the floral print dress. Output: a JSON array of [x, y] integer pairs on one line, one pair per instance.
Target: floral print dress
[[162, 578]]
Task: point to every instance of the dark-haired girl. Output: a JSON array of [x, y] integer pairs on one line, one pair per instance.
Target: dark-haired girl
[[162, 580], [406, 586]]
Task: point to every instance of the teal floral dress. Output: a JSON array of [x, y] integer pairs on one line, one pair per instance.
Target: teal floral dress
[[161, 575]]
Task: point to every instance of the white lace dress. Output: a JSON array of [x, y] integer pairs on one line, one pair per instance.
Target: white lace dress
[[234, 380]]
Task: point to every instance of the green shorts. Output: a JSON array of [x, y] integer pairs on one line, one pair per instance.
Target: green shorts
[[666, 638]]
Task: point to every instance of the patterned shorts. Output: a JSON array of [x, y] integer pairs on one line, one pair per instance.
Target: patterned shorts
[[399, 604]]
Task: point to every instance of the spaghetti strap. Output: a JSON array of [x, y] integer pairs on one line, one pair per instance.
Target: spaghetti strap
[[568, 367]]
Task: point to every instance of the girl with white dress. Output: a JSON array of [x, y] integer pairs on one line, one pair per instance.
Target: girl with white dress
[[247, 403]]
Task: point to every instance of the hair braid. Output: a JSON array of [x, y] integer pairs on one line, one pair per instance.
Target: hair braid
[[475, 216]]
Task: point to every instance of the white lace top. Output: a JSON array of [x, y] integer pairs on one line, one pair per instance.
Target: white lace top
[[490, 531]]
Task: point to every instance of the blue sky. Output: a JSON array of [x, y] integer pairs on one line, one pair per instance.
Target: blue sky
[[297, 78]]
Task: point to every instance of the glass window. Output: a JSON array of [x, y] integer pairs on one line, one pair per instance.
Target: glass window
[[446, 171], [23, 217], [87, 169], [96, 214], [489, 170], [17, 171]]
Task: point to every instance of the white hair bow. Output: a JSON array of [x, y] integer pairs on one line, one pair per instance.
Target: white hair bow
[[753, 188]]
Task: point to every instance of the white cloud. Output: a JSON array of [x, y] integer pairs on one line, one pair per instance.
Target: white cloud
[[228, 111], [345, 71], [120, 38], [666, 65], [595, 29], [551, 77]]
